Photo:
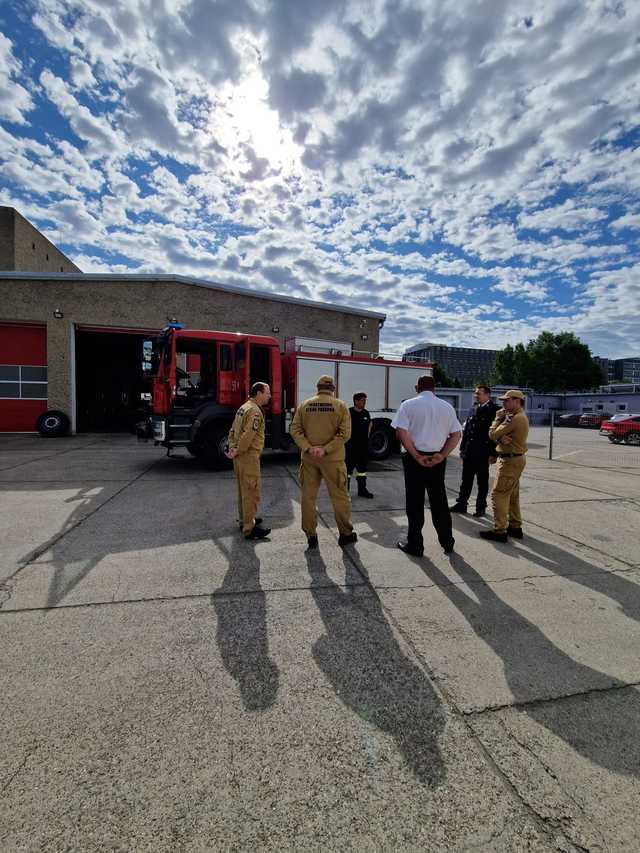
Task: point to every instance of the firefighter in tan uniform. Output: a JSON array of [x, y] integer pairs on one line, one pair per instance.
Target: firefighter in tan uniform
[[246, 442], [509, 430], [321, 427]]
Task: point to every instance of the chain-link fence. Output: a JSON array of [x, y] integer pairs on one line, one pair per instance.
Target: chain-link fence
[[564, 440]]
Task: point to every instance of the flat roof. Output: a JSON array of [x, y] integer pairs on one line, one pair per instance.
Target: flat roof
[[427, 344], [198, 282]]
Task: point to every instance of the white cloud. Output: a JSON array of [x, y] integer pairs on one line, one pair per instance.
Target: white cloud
[[629, 220], [15, 100], [383, 154], [563, 217]]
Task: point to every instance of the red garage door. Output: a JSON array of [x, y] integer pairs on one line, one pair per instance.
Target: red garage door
[[23, 376]]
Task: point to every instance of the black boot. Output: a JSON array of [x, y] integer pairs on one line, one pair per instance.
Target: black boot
[[363, 492], [495, 535], [258, 532]]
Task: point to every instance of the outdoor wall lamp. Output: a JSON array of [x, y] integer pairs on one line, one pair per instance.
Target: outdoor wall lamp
[[275, 330], [58, 313], [364, 337]]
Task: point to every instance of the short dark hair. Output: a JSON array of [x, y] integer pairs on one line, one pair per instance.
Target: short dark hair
[[426, 383], [257, 387], [482, 387], [359, 396]]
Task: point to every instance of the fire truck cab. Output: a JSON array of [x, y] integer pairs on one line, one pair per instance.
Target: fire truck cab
[[200, 379]]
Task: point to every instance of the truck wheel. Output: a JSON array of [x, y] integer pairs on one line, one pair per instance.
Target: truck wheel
[[632, 438], [380, 442], [210, 448], [53, 424]]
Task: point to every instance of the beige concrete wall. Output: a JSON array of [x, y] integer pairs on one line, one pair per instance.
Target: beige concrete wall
[[25, 249], [7, 254], [149, 304]]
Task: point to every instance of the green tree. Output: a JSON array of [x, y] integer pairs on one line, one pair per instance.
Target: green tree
[[504, 368], [521, 366], [561, 363], [550, 362]]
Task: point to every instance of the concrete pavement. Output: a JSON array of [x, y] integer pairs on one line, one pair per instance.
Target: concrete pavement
[[168, 686]]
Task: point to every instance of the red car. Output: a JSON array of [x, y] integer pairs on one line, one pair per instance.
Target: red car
[[622, 428], [593, 419]]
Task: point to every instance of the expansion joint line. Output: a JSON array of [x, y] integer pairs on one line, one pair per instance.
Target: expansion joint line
[[7, 586], [548, 700]]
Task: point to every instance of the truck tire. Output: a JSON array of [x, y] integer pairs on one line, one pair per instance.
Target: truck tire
[[53, 424], [210, 445], [381, 441]]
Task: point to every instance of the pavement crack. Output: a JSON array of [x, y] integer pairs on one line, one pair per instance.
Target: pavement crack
[[547, 700], [19, 768], [537, 759], [45, 546]]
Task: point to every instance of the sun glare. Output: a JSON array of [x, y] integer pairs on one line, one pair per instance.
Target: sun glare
[[247, 118]]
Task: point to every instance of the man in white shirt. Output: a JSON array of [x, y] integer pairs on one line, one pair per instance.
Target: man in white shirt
[[428, 430]]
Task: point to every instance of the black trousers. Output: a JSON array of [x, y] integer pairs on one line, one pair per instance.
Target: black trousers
[[417, 480], [474, 467], [357, 456]]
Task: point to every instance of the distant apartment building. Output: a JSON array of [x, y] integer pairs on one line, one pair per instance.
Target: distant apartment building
[[466, 364], [627, 369], [607, 367], [619, 369]]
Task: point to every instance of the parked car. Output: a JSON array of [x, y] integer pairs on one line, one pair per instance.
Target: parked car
[[593, 419], [570, 419], [622, 428]]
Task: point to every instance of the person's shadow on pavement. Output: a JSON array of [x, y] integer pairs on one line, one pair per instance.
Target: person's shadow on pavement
[[536, 669], [568, 565], [241, 610], [370, 673]]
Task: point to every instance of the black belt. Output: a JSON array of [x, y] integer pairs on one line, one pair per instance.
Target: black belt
[[427, 452], [509, 455]]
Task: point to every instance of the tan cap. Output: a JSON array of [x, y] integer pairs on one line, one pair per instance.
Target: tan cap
[[327, 380], [514, 394]]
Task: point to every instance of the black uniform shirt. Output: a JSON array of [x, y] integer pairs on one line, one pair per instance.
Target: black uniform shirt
[[475, 438], [360, 420]]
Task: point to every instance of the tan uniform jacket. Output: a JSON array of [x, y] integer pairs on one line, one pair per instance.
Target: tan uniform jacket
[[517, 426], [247, 431], [322, 421]]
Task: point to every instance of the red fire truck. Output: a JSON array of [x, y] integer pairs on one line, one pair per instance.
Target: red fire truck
[[200, 378]]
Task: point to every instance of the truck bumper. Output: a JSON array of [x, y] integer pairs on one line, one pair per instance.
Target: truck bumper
[[158, 429]]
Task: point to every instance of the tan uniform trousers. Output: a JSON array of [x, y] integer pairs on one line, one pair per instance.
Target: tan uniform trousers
[[334, 472], [505, 497], [247, 468]]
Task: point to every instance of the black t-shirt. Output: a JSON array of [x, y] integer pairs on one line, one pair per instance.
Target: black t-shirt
[[360, 420]]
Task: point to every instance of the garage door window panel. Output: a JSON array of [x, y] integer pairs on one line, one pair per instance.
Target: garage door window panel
[[33, 390], [33, 374], [22, 382], [9, 390]]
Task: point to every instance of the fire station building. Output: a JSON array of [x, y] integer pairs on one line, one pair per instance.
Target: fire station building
[[80, 343]]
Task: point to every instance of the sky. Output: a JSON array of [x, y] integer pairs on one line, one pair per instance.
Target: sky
[[469, 167]]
